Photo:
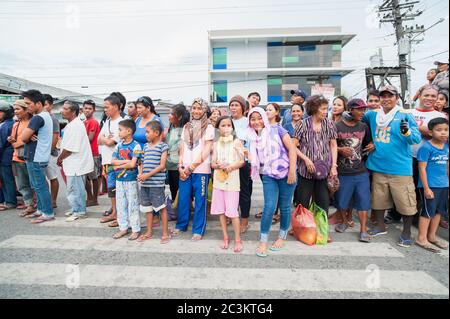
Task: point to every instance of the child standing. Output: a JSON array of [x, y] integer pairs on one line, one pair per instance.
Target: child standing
[[124, 160], [152, 176], [228, 158], [433, 184]]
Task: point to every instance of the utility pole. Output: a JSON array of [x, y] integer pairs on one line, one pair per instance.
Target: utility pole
[[396, 13]]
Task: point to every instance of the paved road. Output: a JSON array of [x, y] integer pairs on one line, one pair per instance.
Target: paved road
[[81, 260]]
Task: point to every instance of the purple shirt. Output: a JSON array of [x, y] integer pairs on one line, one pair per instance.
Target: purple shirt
[[276, 162]]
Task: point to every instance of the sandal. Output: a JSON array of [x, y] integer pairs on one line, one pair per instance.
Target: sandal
[[27, 212], [196, 237], [276, 218], [42, 219], [107, 219], [274, 248], [133, 236], [120, 234], [145, 237], [439, 244], [106, 213], [238, 246], [261, 253], [4, 208], [176, 233], [226, 243], [428, 247], [245, 228], [33, 215], [165, 240], [22, 206], [258, 215], [113, 224]]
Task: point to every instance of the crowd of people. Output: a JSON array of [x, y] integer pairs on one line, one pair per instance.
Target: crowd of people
[[369, 155]]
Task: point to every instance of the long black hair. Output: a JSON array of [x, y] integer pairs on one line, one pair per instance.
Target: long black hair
[[148, 103]]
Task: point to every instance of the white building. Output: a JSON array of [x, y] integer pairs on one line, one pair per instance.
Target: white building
[[275, 61]]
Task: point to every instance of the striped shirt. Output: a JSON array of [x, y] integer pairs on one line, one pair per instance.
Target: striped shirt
[[151, 160], [316, 146]]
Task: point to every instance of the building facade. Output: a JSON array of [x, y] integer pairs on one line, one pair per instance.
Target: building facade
[[275, 61]]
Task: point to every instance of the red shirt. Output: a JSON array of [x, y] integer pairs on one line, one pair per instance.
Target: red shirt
[[93, 126]]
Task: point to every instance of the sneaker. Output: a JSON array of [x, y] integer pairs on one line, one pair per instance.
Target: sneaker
[[68, 214], [374, 232], [364, 237], [406, 243], [75, 217]]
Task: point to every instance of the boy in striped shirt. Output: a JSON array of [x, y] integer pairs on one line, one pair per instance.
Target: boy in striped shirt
[[152, 176]]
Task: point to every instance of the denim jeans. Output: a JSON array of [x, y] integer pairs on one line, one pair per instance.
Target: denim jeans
[[276, 190], [8, 185], [196, 185], [23, 183], [36, 172], [76, 194]]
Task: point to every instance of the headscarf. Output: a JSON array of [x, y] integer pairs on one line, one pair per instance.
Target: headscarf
[[195, 129], [258, 142]]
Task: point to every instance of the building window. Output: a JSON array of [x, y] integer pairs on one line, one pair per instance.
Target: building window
[[303, 54], [219, 58], [279, 87], [220, 92]]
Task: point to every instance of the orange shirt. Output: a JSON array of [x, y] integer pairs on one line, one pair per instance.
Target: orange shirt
[[17, 130]]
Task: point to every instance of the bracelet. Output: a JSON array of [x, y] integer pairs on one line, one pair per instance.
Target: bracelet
[[191, 169]]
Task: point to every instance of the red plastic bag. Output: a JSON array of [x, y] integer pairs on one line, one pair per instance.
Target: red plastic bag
[[304, 226]]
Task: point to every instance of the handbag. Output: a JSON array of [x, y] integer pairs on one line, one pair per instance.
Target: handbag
[[21, 150], [322, 168]]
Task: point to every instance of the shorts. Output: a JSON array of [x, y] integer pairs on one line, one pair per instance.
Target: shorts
[[52, 169], [111, 180], [152, 199], [389, 190], [437, 205], [225, 202], [353, 189], [97, 172]]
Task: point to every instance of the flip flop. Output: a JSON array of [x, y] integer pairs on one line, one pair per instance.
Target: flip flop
[[107, 220], [176, 233], [33, 215], [440, 244], [196, 238], [273, 248], [113, 224], [120, 234], [144, 237], [133, 237], [261, 254], [226, 243], [164, 240], [238, 246], [41, 220], [428, 248], [106, 213]]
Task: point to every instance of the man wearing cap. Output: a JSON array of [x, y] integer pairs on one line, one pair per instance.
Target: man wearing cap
[[8, 187], [393, 131], [441, 80], [354, 141], [298, 98]]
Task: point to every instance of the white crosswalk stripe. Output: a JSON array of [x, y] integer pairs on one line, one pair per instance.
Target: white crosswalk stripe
[[221, 278]]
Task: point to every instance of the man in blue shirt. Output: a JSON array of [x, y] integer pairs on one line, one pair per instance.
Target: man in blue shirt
[[394, 130], [7, 188]]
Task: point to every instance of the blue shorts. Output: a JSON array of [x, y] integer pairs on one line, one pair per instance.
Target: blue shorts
[[437, 205], [111, 180], [152, 199], [354, 190]]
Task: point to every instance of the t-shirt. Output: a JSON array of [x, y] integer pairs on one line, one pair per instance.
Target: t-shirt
[[139, 135], [6, 149], [56, 129], [423, 117], [17, 134], [229, 151], [356, 137], [437, 162], [110, 127], [189, 156], [151, 160], [75, 140], [316, 146], [39, 151], [127, 152], [173, 140], [277, 165], [92, 125]]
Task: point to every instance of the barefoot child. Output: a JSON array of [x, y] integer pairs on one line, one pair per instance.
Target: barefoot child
[[228, 158], [124, 160], [433, 184], [152, 176]]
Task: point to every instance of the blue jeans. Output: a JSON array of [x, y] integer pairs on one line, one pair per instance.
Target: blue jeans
[[36, 172], [8, 185], [276, 190], [76, 194], [23, 183], [197, 185]]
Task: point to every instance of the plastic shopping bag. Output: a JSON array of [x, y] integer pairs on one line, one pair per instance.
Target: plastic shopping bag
[[304, 226], [321, 219]]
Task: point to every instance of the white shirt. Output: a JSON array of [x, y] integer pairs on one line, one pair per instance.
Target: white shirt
[[423, 117], [110, 127], [75, 140]]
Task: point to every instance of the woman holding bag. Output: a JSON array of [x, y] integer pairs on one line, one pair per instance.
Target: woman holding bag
[[318, 153], [19, 166]]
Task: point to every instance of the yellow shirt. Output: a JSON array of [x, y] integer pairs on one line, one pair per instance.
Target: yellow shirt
[[229, 151]]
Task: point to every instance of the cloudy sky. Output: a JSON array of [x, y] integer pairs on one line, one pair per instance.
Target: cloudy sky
[[160, 48]]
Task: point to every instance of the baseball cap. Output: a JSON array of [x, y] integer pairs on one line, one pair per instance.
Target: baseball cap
[[356, 104], [440, 62], [299, 93], [389, 88]]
